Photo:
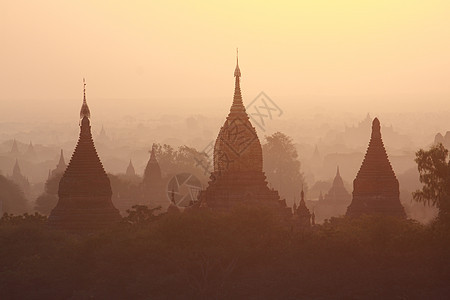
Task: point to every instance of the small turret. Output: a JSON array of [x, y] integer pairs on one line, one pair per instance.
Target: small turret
[[130, 170]]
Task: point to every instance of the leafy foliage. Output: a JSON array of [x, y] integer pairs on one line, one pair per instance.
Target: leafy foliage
[[182, 160], [12, 198], [49, 198], [140, 215], [434, 170], [282, 165], [247, 254]]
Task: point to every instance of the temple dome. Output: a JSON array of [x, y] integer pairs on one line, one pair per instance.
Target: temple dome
[[84, 193], [376, 188], [237, 147]]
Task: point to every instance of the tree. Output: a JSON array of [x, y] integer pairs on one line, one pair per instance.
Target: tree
[[281, 164], [434, 170], [182, 160], [12, 198]]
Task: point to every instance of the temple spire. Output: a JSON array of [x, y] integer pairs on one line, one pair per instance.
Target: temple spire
[[152, 153], [302, 195], [237, 99], [61, 159], [130, 169], [376, 129], [84, 112], [237, 71], [376, 188]]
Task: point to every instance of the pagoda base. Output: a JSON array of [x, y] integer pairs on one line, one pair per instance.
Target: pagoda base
[[83, 217], [227, 191], [375, 205]]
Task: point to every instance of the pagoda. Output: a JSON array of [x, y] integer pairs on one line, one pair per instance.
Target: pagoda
[[238, 177], [18, 178], [130, 172], [14, 149], [302, 215], [153, 185], [376, 188], [30, 153], [84, 203], [61, 166], [337, 195]]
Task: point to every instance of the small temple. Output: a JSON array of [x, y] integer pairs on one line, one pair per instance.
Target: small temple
[[376, 188], [302, 215], [30, 153], [14, 148], [61, 166], [335, 201], [153, 185], [238, 177], [84, 203], [18, 178], [130, 172], [338, 194]]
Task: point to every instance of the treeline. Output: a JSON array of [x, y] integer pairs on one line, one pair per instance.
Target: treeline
[[246, 254]]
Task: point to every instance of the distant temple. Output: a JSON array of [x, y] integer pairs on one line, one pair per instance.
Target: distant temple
[[238, 177], [61, 166], [130, 170], [84, 192], [18, 178], [102, 137], [376, 188], [30, 153], [14, 148], [338, 195], [153, 185], [335, 201], [302, 215]]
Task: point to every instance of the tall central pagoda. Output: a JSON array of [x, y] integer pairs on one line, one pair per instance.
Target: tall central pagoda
[[84, 192], [376, 188], [238, 177]]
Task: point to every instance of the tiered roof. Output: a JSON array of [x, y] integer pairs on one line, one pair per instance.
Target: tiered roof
[[84, 190], [376, 188]]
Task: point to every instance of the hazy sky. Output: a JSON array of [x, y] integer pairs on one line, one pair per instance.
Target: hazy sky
[[183, 51]]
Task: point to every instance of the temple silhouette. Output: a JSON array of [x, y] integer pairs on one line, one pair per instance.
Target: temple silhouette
[[376, 188], [301, 214], [60, 167], [153, 185], [238, 177], [337, 195], [84, 202]]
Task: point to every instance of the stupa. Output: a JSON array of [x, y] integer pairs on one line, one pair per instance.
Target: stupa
[[130, 170], [376, 188], [152, 184], [302, 215], [61, 166], [84, 203], [337, 195], [238, 177]]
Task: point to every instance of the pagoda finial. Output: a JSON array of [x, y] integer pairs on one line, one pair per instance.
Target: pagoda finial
[[337, 172], [376, 128], [152, 152], [302, 194], [237, 71], [84, 112]]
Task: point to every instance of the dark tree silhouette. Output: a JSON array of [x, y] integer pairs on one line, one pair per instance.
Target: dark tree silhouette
[[12, 198], [48, 199], [281, 165], [182, 160], [434, 170]]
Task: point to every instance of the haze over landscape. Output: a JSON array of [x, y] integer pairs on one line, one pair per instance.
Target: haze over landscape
[[340, 95]]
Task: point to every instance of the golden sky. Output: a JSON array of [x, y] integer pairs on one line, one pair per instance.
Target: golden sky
[[186, 50]]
